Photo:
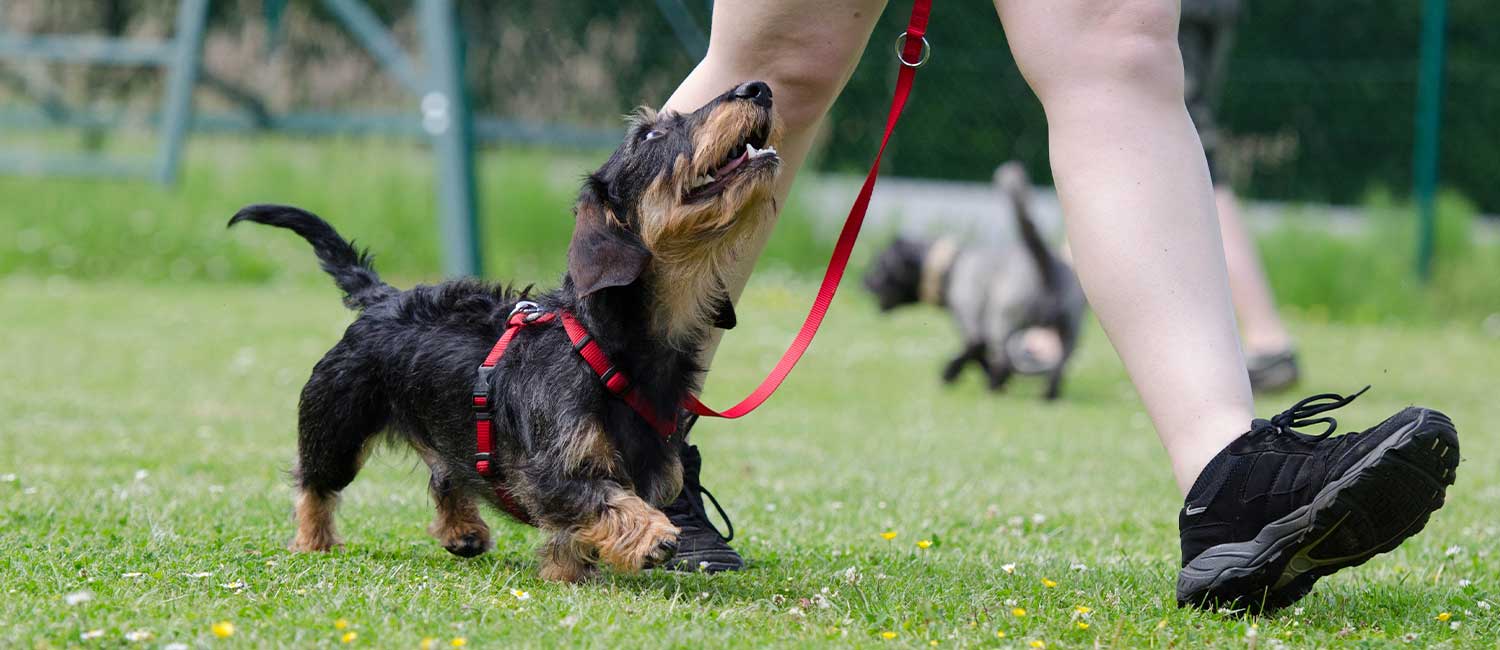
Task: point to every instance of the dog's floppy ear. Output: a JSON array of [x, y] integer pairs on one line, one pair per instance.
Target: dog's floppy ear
[[724, 316], [603, 252]]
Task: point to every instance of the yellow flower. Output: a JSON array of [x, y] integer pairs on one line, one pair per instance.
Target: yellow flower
[[459, 642], [428, 642], [888, 535], [1444, 617], [999, 634], [924, 543], [1082, 625], [1081, 609], [1049, 583], [1161, 624], [349, 636], [340, 624], [888, 634], [1038, 644], [223, 629], [1019, 611], [932, 643]]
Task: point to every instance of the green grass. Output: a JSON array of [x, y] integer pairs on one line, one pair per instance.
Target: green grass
[[377, 192], [148, 428]]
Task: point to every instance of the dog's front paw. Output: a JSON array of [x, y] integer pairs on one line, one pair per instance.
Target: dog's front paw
[[470, 545], [462, 538], [663, 552], [631, 536], [314, 542]]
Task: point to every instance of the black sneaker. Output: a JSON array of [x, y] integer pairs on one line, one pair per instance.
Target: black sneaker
[[1278, 509], [1273, 373], [700, 546]]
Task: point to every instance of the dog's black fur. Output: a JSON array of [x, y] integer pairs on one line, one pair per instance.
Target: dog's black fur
[[407, 366]]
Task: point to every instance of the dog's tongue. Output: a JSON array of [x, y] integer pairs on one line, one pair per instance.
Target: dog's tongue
[[731, 165]]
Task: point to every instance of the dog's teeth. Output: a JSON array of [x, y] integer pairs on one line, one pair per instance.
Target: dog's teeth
[[756, 153], [751, 148]]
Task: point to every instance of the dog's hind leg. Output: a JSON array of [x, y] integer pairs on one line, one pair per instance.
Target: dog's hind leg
[[340, 412], [999, 373], [1067, 334], [971, 352], [458, 525]]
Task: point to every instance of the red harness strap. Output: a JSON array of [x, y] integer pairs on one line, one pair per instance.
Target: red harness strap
[[525, 314], [614, 381], [913, 53]]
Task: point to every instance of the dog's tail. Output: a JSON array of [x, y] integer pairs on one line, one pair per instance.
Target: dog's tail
[[349, 266], [1012, 180]]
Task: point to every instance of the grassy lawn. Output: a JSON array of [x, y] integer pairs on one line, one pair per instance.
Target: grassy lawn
[[148, 429]]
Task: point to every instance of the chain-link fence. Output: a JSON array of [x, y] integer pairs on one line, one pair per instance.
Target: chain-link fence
[[1317, 104]]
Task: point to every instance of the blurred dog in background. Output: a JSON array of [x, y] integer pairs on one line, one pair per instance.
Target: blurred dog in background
[[1017, 307]]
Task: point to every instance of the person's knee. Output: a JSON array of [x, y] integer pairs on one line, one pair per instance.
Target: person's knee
[[806, 66], [1125, 43]]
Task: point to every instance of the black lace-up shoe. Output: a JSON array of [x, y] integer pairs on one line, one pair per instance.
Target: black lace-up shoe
[[700, 546], [1278, 509], [1273, 373]]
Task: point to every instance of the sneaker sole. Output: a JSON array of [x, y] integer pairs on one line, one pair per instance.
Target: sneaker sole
[[710, 562], [1378, 503]]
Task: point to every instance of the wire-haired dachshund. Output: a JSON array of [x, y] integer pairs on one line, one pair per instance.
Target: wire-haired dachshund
[[655, 230]]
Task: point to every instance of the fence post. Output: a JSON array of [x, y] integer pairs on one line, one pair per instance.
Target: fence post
[[177, 114], [445, 117], [1429, 130]]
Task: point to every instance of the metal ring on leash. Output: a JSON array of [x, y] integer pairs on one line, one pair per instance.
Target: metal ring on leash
[[901, 52]]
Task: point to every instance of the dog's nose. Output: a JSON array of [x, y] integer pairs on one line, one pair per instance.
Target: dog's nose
[[755, 91]]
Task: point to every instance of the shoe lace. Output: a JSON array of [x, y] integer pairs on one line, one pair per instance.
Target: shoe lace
[[1301, 415], [703, 513], [693, 493]]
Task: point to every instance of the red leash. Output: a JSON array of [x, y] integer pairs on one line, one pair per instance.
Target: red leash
[[913, 53]]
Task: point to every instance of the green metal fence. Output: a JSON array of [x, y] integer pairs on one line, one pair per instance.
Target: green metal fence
[[1322, 102]]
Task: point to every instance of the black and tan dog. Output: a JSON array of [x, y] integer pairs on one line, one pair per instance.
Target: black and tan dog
[[1000, 298], [656, 228]]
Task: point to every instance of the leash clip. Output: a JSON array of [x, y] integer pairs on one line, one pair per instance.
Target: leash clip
[[525, 306], [921, 58]]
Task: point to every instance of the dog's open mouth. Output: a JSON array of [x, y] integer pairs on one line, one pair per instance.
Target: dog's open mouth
[[748, 155]]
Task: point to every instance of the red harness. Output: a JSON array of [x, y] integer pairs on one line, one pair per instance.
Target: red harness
[[524, 315], [912, 51]]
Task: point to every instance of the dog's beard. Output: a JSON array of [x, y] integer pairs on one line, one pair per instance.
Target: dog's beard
[[695, 248]]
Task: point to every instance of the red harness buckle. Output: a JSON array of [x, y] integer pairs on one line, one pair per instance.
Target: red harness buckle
[[524, 314]]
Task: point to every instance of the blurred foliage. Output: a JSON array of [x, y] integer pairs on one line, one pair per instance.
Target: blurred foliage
[[1333, 82], [374, 191], [380, 193], [1317, 105], [1368, 275]]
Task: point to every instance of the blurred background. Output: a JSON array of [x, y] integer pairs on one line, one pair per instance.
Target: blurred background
[[327, 104]]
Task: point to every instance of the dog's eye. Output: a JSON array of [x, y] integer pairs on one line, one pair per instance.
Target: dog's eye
[[651, 135]]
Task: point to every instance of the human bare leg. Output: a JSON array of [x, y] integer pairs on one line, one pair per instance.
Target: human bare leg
[[1260, 324], [1134, 186], [805, 50], [1262, 506], [1269, 354]]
